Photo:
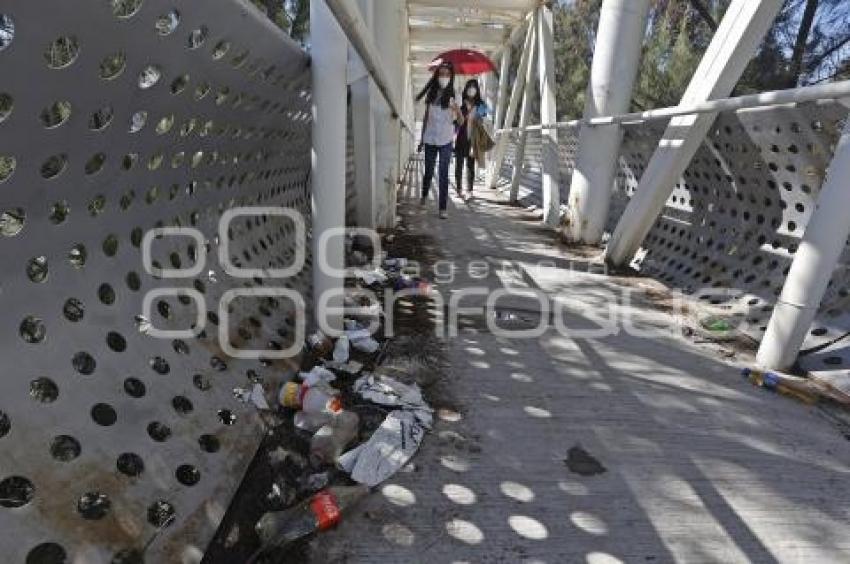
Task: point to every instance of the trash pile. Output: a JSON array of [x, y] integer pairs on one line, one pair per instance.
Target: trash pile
[[361, 426]]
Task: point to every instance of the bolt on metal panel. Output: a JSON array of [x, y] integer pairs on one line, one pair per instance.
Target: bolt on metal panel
[[117, 117]]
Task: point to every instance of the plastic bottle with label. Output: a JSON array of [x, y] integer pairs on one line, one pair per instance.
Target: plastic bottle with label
[[315, 399], [320, 512]]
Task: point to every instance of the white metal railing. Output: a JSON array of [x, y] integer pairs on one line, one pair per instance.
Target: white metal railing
[[832, 92]]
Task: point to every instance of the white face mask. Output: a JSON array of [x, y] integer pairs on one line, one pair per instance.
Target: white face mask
[[443, 81], [471, 91]]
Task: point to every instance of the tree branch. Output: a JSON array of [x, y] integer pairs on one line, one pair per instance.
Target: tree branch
[[704, 13], [800, 43]]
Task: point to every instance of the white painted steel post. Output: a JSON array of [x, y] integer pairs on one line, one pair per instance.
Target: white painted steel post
[[504, 79], [363, 91], [548, 114], [510, 112], [616, 58], [823, 242], [739, 34], [388, 35], [329, 66], [525, 116]]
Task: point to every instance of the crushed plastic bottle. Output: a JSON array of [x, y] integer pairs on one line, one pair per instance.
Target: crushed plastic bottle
[[330, 441], [319, 513], [781, 384]]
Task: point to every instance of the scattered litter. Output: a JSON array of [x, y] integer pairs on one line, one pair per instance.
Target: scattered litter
[[341, 349], [395, 263], [280, 457], [420, 287], [316, 482], [716, 324], [311, 422], [256, 396], [313, 399], [581, 462], [317, 375], [367, 345], [357, 334], [352, 367], [784, 384], [383, 390], [357, 258], [390, 448], [320, 512], [330, 441], [370, 277], [319, 344]]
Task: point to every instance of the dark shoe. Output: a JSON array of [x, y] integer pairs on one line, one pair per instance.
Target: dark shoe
[[444, 214]]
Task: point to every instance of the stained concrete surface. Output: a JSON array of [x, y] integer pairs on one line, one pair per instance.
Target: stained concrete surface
[[698, 466]]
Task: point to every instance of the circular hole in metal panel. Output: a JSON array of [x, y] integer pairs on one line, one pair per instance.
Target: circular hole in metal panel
[[104, 414], [16, 491], [130, 464], [65, 448], [47, 553], [62, 52], [93, 505]]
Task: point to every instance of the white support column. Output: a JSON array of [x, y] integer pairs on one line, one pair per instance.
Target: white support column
[[525, 116], [388, 35], [739, 34], [823, 242], [504, 79], [616, 58], [548, 114], [363, 92], [510, 112], [489, 87], [329, 66]]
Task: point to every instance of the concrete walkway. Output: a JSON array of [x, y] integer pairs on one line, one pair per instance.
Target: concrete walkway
[[699, 465]]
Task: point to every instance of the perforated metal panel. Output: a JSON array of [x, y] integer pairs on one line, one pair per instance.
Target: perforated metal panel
[[116, 117], [737, 215]]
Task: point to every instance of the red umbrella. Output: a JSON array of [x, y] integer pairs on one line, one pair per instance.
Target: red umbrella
[[465, 61]]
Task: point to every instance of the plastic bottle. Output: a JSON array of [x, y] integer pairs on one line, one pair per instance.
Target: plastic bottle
[[330, 440], [314, 399], [321, 512]]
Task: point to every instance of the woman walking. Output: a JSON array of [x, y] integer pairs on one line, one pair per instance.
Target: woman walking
[[472, 109], [438, 131]]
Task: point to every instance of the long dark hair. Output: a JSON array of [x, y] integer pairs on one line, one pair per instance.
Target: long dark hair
[[477, 100], [432, 88]]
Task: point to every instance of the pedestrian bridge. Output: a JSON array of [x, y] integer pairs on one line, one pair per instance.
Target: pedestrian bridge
[[175, 180]]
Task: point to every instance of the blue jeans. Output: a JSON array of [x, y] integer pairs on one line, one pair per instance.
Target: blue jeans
[[445, 154]]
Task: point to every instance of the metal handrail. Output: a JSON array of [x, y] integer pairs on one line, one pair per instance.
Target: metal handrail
[[831, 91], [351, 21]]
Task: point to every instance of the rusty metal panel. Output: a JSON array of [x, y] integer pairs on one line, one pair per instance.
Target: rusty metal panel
[[117, 117]]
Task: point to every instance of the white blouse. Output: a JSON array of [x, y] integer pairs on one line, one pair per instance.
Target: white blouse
[[440, 128]]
